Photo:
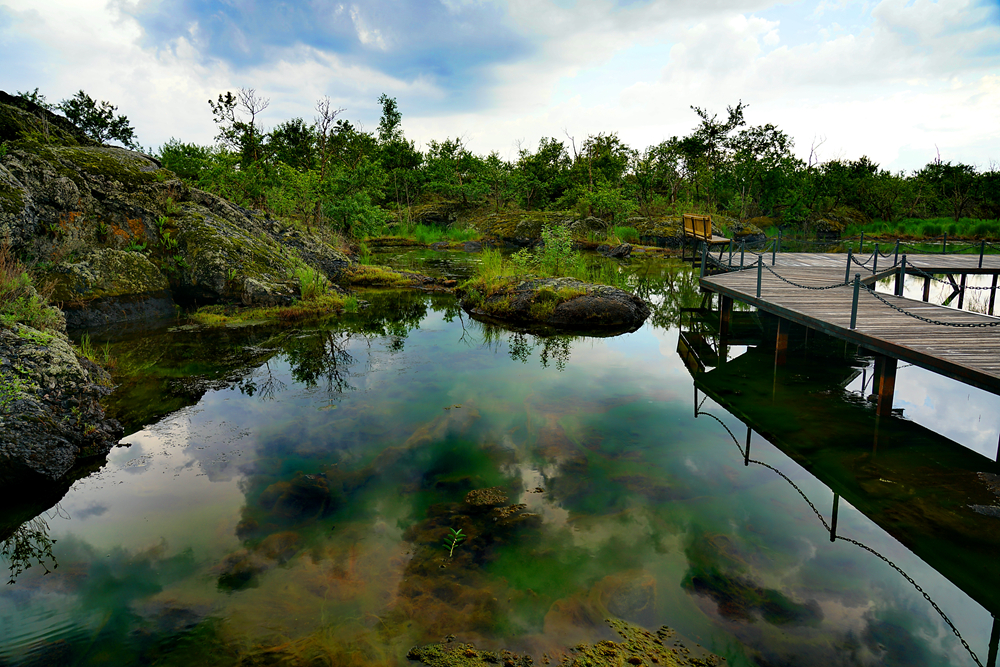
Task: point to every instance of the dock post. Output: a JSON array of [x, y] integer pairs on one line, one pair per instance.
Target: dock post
[[927, 288], [730, 253], [991, 660], [760, 273], [875, 262], [944, 246], [901, 277], [833, 517], [961, 291], [854, 306], [743, 247], [993, 292], [779, 239], [725, 314], [781, 342], [774, 251], [847, 271], [982, 249], [704, 258], [895, 260], [746, 452], [886, 377], [861, 243]]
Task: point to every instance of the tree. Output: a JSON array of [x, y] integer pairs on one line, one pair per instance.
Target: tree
[[294, 143], [96, 119], [235, 132]]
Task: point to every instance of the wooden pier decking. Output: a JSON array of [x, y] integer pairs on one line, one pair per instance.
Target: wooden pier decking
[[967, 354]]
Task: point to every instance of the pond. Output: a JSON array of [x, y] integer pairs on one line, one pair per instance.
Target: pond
[[286, 497]]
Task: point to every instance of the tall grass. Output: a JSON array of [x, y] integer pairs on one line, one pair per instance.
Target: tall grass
[[19, 301], [312, 283], [917, 228]]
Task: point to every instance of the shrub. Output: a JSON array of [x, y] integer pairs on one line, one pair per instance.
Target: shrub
[[19, 302]]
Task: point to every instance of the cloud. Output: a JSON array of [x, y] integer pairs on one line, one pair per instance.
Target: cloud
[[450, 44]]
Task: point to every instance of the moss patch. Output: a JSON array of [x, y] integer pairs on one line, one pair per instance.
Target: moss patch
[[11, 199], [320, 308], [362, 275]]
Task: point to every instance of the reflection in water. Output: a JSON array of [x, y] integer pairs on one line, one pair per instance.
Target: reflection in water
[[28, 543], [293, 509]]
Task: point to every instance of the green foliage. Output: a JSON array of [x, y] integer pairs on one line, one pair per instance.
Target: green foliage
[[312, 283], [185, 160], [452, 539], [19, 302], [98, 119]]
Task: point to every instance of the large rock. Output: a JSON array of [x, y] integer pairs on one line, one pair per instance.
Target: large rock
[[50, 412], [560, 303], [82, 208], [525, 228]]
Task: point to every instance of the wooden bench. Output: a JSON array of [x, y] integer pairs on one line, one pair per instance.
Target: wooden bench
[[699, 227]]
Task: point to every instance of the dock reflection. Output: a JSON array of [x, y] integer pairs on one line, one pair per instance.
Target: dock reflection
[[932, 494]]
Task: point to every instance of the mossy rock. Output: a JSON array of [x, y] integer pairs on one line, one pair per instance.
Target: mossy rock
[[23, 120], [559, 303], [638, 646], [103, 274], [525, 227]]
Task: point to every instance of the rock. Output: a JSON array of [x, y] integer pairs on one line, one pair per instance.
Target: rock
[[108, 286], [109, 208], [50, 412], [560, 303], [486, 498], [622, 251], [524, 228]]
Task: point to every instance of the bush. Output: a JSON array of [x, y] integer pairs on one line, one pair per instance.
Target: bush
[[19, 302]]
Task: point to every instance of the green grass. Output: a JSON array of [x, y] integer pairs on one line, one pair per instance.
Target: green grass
[[428, 234], [929, 228], [19, 302], [318, 308]]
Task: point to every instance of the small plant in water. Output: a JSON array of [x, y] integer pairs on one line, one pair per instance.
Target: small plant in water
[[452, 540]]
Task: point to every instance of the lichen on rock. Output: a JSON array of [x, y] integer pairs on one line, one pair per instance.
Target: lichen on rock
[[560, 303]]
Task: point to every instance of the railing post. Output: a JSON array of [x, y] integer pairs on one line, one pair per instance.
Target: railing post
[[704, 258], [895, 260], [901, 277], [760, 273], [944, 246], [875, 263], [833, 517], [861, 243], [779, 239], [730, 253], [854, 306], [982, 249], [743, 247], [774, 251], [847, 271]]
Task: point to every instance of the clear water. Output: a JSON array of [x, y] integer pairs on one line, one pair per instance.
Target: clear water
[[285, 496]]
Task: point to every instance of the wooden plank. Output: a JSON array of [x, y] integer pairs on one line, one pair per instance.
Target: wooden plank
[[970, 355]]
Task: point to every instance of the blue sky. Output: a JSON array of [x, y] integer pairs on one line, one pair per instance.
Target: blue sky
[[897, 80]]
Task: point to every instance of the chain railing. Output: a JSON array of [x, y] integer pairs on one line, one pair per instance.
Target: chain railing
[[819, 515]]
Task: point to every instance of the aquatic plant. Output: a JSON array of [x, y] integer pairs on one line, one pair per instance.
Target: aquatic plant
[[451, 540]]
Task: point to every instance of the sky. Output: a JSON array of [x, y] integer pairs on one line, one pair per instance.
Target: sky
[[900, 81]]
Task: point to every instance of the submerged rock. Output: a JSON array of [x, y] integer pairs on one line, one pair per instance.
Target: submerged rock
[[637, 647], [561, 303]]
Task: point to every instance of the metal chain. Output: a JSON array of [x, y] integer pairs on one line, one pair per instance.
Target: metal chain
[[856, 543], [915, 270], [961, 325], [803, 286], [862, 264], [920, 590]]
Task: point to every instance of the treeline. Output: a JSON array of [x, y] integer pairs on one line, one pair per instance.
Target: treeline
[[333, 172]]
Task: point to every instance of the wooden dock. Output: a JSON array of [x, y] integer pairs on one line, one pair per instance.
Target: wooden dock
[[969, 354]]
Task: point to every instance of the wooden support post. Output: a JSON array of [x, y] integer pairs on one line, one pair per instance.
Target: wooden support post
[[886, 378], [927, 289], [993, 292], [854, 305], [991, 658], [982, 249], [781, 342], [725, 314], [833, 518], [961, 291]]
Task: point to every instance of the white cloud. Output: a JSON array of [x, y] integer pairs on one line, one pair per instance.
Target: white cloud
[[901, 78]]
